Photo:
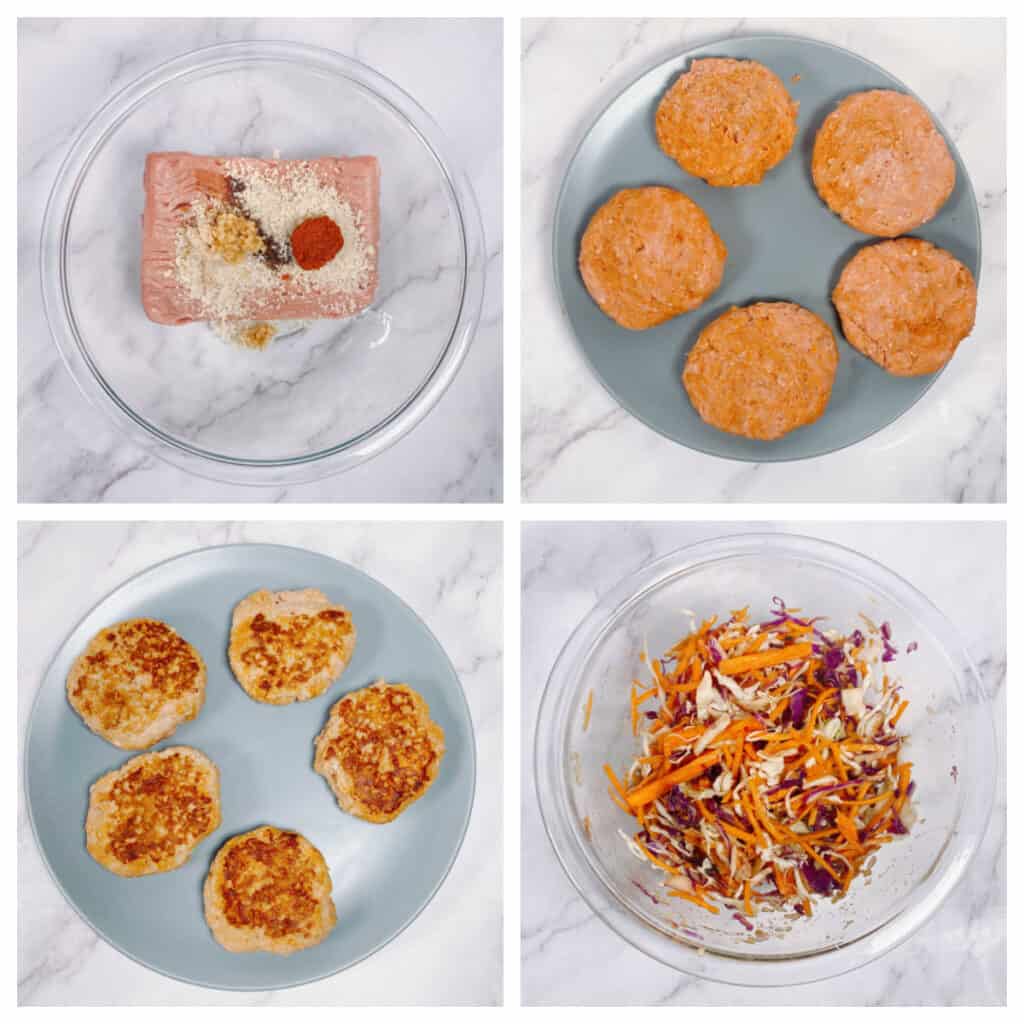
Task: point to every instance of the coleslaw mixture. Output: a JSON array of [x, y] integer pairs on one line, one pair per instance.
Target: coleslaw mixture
[[771, 767]]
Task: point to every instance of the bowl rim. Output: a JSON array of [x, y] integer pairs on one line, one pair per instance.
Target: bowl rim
[[550, 774], [60, 318]]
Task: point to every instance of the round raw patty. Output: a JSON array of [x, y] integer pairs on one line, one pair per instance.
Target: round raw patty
[[881, 164], [149, 815], [136, 682], [379, 751], [727, 121], [762, 370], [906, 304], [650, 254], [269, 889]]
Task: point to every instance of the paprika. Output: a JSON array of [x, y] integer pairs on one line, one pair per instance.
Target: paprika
[[316, 242]]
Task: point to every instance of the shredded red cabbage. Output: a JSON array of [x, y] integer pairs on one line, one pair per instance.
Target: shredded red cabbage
[[821, 790], [681, 808], [798, 707], [725, 814], [645, 892], [784, 785], [817, 878], [715, 651]]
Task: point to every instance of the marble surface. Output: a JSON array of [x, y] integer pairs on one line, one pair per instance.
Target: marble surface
[[456, 589], [453, 455], [569, 956], [950, 447]]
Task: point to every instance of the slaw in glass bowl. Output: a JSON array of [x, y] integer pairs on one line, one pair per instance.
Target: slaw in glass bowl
[[949, 740]]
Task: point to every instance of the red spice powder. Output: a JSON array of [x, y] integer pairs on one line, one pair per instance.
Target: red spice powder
[[316, 242]]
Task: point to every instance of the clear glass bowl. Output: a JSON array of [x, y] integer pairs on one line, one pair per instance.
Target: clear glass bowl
[[948, 721], [327, 396]]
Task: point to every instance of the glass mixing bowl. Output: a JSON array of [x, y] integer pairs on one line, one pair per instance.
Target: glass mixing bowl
[[322, 397], [951, 744]]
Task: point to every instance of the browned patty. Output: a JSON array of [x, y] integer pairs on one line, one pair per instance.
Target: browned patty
[[290, 645], [906, 304], [379, 750], [881, 164], [269, 889], [150, 814], [727, 121], [762, 370], [650, 254], [136, 682]]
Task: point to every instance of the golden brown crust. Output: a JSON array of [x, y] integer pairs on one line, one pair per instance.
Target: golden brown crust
[[762, 370], [269, 889], [880, 163], [290, 645], [150, 814], [649, 254], [727, 121], [136, 682], [906, 304], [379, 750]]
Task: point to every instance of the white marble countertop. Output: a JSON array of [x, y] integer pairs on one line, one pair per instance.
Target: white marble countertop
[[569, 956], [68, 451], [456, 589], [949, 447]]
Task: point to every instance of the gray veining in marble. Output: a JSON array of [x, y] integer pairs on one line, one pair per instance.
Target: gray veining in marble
[[68, 451], [569, 956], [950, 447], [450, 575]]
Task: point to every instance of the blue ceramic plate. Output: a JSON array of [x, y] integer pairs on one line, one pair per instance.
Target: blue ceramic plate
[[383, 875], [784, 244]]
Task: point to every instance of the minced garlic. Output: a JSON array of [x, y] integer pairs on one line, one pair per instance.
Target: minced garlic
[[234, 237], [258, 335], [248, 333]]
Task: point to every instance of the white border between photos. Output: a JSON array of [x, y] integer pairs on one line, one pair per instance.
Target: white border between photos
[[513, 512]]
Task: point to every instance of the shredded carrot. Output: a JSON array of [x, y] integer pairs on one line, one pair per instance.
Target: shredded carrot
[[588, 710], [812, 716], [737, 760], [847, 829], [650, 791], [618, 801], [693, 898], [680, 738], [657, 862], [764, 659], [619, 788], [899, 713], [738, 729]]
